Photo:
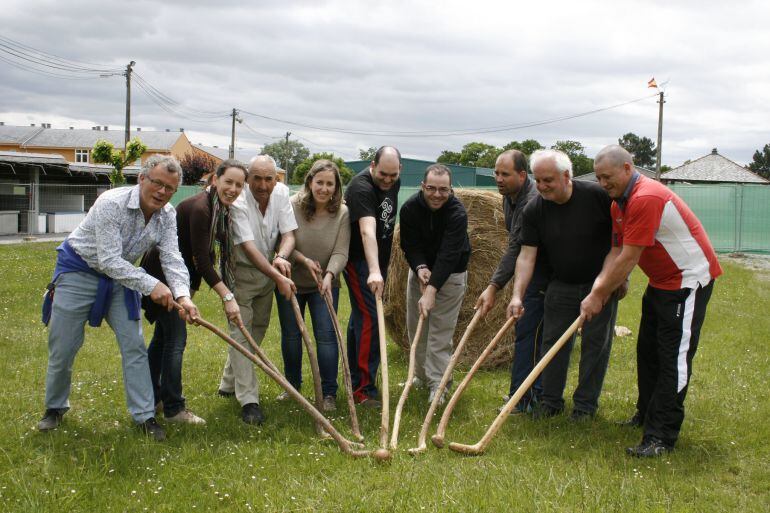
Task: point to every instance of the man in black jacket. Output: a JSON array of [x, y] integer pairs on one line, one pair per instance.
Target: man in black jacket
[[518, 189], [434, 237]]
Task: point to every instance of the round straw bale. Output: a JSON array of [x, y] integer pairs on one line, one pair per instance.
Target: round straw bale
[[489, 238]]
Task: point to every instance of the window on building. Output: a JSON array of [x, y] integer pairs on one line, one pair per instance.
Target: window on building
[[81, 156]]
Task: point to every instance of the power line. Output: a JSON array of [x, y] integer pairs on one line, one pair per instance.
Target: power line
[[444, 133], [39, 58]]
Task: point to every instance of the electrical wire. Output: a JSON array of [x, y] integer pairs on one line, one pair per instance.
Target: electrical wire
[[444, 133]]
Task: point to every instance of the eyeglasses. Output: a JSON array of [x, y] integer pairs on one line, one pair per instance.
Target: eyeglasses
[[168, 189], [442, 191]]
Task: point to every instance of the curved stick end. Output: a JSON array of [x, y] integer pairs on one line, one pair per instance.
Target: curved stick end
[[438, 441], [471, 450], [414, 451], [382, 455]]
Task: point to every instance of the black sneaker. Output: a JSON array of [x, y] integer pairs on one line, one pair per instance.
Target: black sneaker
[[650, 448], [543, 411], [225, 393], [51, 420], [634, 422], [252, 414], [581, 416], [150, 427]]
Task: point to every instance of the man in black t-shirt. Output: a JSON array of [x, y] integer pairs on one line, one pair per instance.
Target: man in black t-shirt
[[571, 222], [372, 201]]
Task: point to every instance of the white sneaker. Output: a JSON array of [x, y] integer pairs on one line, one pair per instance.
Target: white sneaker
[[186, 417]]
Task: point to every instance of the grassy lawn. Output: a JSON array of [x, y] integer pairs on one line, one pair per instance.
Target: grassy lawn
[[96, 461]]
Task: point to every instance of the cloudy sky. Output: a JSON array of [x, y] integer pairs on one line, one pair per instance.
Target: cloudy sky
[[403, 73]]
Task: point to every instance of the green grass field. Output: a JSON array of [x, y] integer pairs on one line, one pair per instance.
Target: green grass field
[[97, 461]]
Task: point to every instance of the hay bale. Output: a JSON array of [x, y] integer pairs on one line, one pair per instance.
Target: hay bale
[[489, 238]]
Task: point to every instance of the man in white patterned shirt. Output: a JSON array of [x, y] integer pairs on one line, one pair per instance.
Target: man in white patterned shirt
[[95, 279]]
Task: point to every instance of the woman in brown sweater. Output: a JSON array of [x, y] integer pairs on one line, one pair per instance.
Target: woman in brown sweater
[[202, 224], [322, 239]]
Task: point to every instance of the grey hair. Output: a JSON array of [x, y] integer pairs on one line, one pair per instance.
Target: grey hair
[[263, 156], [167, 162], [561, 159]]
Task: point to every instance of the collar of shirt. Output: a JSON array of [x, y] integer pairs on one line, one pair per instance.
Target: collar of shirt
[[623, 200]]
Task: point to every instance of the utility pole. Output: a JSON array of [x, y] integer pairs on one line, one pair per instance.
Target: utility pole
[[286, 159], [128, 106], [661, 101], [232, 135]]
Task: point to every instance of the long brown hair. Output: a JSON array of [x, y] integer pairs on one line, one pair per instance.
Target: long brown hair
[[306, 200]]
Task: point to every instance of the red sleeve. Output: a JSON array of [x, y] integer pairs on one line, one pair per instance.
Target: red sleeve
[[642, 220]]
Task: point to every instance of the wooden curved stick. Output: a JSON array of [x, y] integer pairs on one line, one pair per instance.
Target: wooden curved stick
[[385, 416], [346, 379], [253, 343], [407, 385], [438, 438], [311, 355], [345, 445], [421, 439], [480, 446]]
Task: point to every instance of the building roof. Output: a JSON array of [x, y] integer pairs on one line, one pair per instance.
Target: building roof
[[712, 168], [41, 137], [591, 177], [17, 134], [52, 159], [242, 154]]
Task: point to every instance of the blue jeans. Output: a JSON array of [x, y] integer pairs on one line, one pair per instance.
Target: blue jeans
[[165, 354], [75, 293], [325, 338], [529, 339]]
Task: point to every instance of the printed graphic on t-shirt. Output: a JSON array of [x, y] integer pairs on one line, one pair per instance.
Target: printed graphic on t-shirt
[[387, 210]]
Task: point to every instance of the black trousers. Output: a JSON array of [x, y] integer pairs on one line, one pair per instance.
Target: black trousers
[[668, 338]]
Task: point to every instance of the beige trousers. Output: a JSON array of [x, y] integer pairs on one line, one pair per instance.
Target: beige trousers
[[254, 294], [434, 348]]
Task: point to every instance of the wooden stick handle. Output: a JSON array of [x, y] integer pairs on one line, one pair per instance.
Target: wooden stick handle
[[346, 379], [345, 445], [385, 417], [438, 438], [311, 355], [407, 385], [422, 438], [482, 444]]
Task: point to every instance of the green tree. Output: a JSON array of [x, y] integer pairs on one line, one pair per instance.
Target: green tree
[[478, 154], [448, 157], [760, 164], [581, 164], [642, 149], [287, 154], [303, 167], [528, 146], [104, 152], [367, 154]]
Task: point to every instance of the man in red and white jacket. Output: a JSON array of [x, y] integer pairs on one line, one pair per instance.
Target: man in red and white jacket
[[653, 227]]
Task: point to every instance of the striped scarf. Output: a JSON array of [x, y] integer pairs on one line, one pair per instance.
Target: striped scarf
[[221, 225]]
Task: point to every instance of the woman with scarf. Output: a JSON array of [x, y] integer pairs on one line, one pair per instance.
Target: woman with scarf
[[203, 224], [322, 240]]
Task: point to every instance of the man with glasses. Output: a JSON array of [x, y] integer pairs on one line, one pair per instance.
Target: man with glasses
[[95, 278], [434, 237]]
